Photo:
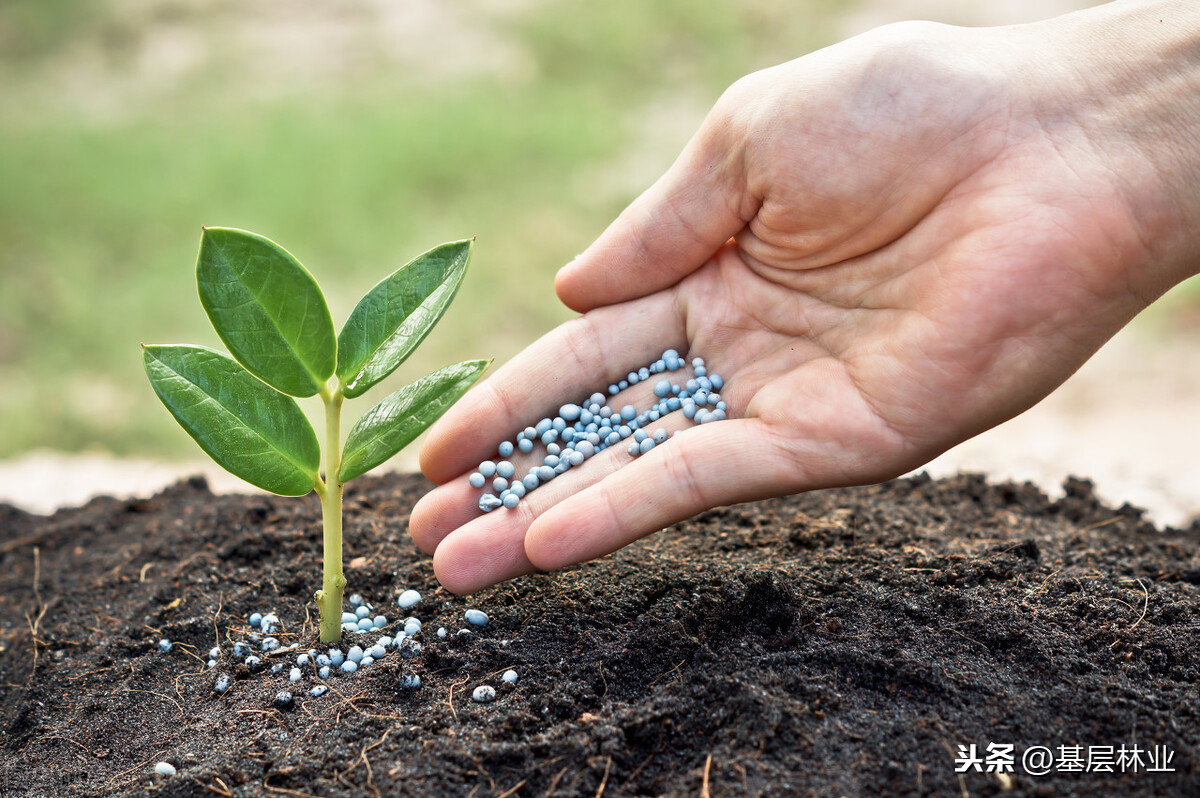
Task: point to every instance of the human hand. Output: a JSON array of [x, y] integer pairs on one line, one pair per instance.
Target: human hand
[[885, 248]]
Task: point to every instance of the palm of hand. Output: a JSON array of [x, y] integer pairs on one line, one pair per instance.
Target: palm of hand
[[925, 262]]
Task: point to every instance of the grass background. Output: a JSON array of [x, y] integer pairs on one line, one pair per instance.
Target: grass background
[[356, 134]]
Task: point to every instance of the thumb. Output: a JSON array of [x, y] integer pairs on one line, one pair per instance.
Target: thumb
[[671, 229]]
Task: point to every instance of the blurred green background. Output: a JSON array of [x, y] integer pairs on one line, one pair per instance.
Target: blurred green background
[[356, 134]]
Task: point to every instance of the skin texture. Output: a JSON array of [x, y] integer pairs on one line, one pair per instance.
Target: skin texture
[[884, 247]]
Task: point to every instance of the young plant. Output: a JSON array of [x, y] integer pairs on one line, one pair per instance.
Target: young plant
[[269, 311]]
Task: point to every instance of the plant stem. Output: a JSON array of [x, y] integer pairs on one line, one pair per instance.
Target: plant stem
[[329, 597]]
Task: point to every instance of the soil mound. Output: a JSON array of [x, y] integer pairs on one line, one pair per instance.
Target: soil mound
[[865, 641]]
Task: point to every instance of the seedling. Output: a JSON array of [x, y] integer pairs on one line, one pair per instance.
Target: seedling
[[270, 312]]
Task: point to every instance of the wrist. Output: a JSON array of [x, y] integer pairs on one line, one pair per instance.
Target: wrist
[[1133, 92]]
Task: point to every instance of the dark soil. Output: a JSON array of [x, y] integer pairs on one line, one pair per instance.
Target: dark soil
[[845, 642]]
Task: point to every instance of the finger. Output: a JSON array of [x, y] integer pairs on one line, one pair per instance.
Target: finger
[[455, 504], [723, 463], [671, 229], [568, 364], [441, 511], [490, 548]]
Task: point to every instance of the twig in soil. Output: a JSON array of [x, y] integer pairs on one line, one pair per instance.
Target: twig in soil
[[182, 567], [1044, 583], [138, 766], [450, 697], [964, 637], [704, 793], [286, 791], [76, 677], [279, 652], [742, 771], [554, 781], [1145, 605], [512, 789], [349, 702], [646, 761], [304, 630], [962, 782], [55, 737], [270, 713], [225, 791], [160, 695], [362, 757], [604, 779], [668, 673], [216, 615], [34, 623]]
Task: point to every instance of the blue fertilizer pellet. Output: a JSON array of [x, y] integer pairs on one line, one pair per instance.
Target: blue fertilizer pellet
[[581, 430]]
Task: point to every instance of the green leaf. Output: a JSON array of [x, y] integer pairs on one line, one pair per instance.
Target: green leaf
[[393, 423], [267, 309], [396, 315], [250, 429]]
